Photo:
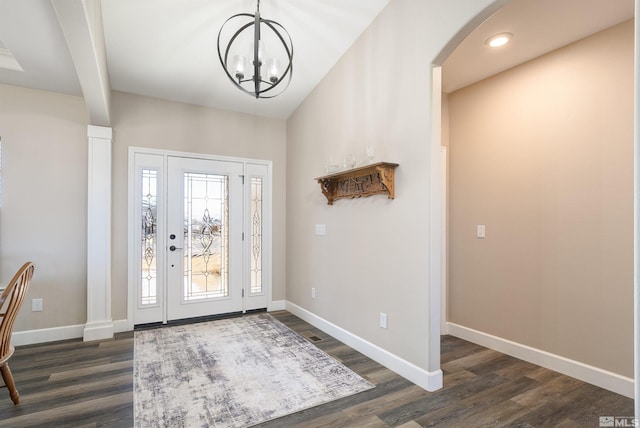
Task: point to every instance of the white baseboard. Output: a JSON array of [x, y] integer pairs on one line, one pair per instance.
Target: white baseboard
[[89, 332], [30, 337], [43, 335], [444, 328], [277, 305], [120, 326], [98, 330], [431, 381], [604, 379]]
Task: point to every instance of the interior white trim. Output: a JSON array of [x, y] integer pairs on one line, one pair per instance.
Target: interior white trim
[[604, 379], [81, 24], [120, 326], [444, 287], [30, 337], [44, 335], [434, 239], [99, 324], [277, 305], [431, 381], [98, 331]]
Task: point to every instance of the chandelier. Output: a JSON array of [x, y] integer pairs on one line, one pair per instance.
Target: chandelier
[[258, 57]]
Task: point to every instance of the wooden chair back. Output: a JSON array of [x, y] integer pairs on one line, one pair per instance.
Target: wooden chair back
[[10, 303]]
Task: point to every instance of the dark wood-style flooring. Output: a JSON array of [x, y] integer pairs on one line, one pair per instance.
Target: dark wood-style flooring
[[78, 384]]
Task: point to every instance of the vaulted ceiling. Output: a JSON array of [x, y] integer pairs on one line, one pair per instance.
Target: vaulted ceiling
[[167, 48]]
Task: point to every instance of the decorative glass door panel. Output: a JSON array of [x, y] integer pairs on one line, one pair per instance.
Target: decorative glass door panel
[[149, 233], [205, 237], [257, 243], [255, 260]]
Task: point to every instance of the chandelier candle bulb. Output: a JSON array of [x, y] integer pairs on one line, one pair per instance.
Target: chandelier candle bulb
[[241, 66], [273, 69], [261, 54]]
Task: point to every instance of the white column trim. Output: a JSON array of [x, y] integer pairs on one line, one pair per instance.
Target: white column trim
[[99, 323], [82, 26]]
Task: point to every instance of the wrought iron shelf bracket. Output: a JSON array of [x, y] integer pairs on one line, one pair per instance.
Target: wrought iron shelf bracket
[[374, 179]]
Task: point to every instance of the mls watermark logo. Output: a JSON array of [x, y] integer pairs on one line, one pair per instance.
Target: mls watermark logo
[[618, 421]]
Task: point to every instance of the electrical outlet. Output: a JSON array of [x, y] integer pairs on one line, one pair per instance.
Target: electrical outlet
[[36, 305], [313, 293], [383, 320]]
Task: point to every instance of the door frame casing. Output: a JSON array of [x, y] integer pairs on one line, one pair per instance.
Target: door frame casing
[[133, 221]]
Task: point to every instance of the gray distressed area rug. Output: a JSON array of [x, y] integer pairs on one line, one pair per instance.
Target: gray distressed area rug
[[232, 373]]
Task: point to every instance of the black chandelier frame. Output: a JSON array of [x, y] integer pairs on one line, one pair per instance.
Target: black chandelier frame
[[259, 91]]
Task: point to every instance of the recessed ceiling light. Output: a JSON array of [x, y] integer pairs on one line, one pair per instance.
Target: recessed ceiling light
[[498, 40]]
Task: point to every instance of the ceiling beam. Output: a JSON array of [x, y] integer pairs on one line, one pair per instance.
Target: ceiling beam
[[81, 23]]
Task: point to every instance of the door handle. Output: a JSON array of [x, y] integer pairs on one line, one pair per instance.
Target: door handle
[[173, 248]]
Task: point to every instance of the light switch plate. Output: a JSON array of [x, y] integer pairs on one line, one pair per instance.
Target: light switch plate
[[481, 231], [383, 320]]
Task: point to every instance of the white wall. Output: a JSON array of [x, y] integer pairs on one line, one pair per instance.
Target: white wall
[[542, 154], [44, 187], [375, 256], [149, 122], [44, 202]]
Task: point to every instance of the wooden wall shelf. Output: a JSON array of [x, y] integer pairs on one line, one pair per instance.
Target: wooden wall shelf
[[359, 182]]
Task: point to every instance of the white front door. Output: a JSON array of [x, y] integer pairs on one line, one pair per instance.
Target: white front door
[[204, 228], [203, 248]]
